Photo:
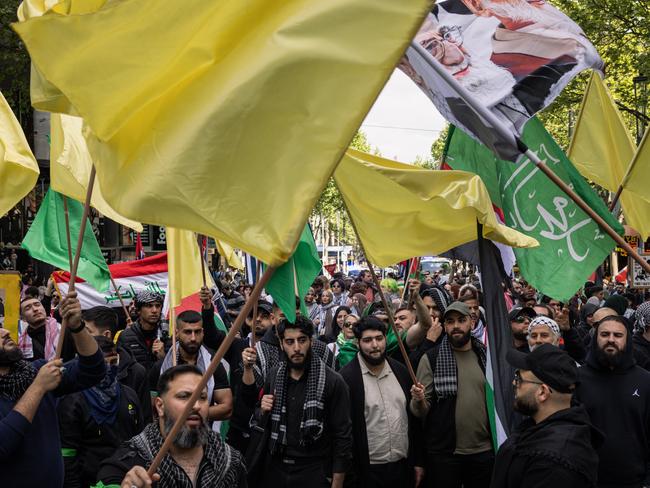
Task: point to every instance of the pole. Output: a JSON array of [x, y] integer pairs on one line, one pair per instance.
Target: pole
[[172, 326], [201, 253], [77, 255], [503, 132], [129, 322], [407, 273], [67, 229], [212, 367], [257, 278], [389, 311]]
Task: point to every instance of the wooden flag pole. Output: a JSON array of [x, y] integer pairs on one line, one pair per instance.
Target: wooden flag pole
[[389, 311], [498, 126], [257, 277], [407, 274], [129, 322], [212, 367], [67, 229], [172, 326], [77, 255], [203, 260]]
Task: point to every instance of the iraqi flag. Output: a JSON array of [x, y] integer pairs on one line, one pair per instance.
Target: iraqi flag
[[130, 277]]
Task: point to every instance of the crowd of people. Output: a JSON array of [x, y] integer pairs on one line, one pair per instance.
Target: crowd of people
[[329, 399]]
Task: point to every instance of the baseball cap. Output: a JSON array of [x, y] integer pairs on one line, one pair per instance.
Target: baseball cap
[[519, 311], [264, 306], [550, 364], [459, 307]]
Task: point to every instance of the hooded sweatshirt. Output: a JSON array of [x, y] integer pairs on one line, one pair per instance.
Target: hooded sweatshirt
[[618, 403], [560, 451]]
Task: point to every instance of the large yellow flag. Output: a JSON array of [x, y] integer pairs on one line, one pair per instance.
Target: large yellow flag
[[70, 165], [639, 176], [184, 266], [602, 150], [18, 167], [225, 118], [402, 211]]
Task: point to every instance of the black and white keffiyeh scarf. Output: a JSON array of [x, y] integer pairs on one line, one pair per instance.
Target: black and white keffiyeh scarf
[[14, 383], [311, 424], [223, 465], [445, 376]]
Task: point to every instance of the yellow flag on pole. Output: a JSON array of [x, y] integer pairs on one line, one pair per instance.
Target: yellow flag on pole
[[18, 167], [184, 266], [192, 105], [70, 165], [401, 211], [639, 174], [229, 255], [602, 149]]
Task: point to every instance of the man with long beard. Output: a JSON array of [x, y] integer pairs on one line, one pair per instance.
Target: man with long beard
[[555, 446], [450, 397], [616, 394], [198, 457], [306, 408], [385, 434]]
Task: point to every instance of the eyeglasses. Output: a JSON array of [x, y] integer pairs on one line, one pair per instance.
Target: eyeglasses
[[520, 319], [518, 380], [348, 325]]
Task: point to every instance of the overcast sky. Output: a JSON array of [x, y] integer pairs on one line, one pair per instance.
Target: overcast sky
[[403, 123]]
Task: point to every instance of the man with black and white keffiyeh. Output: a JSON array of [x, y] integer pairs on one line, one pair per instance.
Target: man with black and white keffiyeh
[[450, 398], [308, 403], [198, 457]]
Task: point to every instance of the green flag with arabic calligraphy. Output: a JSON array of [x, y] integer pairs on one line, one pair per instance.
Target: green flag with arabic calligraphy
[[572, 245]]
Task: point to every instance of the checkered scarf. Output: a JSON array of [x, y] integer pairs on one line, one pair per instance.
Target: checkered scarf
[[52, 330], [311, 424], [445, 376], [20, 377], [223, 465], [642, 316]]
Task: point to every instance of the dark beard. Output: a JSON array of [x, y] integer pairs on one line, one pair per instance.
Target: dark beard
[[188, 437], [608, 361], [520, 336], [460, 342], [11, 357], [191, 350], [373, 361], [525, 407], [299, 366]]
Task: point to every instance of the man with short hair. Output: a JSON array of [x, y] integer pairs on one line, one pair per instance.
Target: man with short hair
[[450, 398], [616, 394], [404, 318], [145, 339], [383, 430], [38, 339], [30, 446], [520, 318], [308, 405], [234, 300], [102, 321], [555, 446], [366, 277], [471, 300], [190, 350], [198, 457]]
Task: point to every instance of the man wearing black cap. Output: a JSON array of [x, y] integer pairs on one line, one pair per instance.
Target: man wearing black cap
[[616, 394], [450, 398], [145, 339], [554, 447], [520, 318]]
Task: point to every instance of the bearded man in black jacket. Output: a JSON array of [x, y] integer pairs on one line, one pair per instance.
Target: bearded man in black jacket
[[555, 446], [616, 394]]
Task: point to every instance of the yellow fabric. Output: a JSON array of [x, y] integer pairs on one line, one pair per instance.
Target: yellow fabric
[[70, 165], [10, 286], [639, 176], [184, 265], [402, 211], [226, 118], [229, 255], [602, 149], [18, 167]]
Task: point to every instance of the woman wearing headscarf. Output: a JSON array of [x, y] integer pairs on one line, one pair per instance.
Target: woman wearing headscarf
[[325, 312], [345, 336]]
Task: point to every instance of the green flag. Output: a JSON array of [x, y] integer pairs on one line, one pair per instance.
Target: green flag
[[46, 240], [572, 246], [295, 276]]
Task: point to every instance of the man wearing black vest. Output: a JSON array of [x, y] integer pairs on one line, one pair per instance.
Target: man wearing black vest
[[383, 430]]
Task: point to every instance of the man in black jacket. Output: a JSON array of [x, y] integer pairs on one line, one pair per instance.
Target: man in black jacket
[[102, 321], [555, 446], [450, 398], [308, 409], [642, 337], [94, 422], [145, 339], [383, 430], [616, 394]]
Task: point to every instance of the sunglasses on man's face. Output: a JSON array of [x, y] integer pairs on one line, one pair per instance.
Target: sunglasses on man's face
[[520, 319]]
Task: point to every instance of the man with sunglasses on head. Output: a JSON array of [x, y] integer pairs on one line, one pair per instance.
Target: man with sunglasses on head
[[520, 318], [556, 445], [616, 393]]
